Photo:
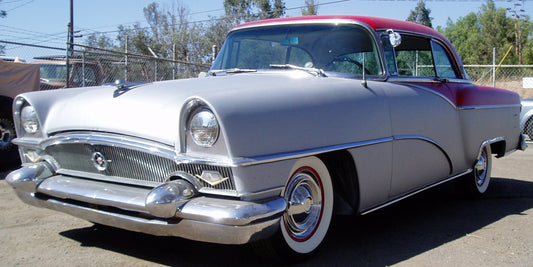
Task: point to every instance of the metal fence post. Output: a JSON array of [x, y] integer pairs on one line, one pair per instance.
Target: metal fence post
[[126, 60], [494, 67], [83, 66], [174, 63]]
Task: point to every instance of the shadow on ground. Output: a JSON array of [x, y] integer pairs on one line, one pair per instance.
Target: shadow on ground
[[385, 237]]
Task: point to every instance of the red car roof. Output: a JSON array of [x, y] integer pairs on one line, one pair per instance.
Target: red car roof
[[374, 22]]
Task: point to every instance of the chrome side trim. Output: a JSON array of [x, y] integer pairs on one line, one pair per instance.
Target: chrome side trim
[[380, 206], [489, 106], [306, 153]]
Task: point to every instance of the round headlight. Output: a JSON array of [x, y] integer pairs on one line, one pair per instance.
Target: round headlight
[[204, 128], [28, 118]]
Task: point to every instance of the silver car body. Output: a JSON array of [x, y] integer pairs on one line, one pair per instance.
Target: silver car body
[[112, 154]]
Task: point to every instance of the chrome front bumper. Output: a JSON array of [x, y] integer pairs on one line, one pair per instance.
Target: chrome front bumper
[[200, 218]]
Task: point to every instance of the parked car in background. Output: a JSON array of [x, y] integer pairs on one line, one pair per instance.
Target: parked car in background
[[82, 74], [526, 117], [15, 78], [297, 120]]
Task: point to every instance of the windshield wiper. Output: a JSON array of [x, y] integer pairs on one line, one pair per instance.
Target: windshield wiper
[[314, 71], [226, 71]]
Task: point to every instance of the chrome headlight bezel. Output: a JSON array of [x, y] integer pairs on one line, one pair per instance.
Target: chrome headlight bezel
[[204, 128], [26, 119]]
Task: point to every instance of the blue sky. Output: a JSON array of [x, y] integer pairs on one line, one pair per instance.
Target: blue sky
[[45, 22]]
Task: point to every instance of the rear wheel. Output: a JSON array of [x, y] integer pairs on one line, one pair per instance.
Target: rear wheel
[[303, 226], [477, 182]]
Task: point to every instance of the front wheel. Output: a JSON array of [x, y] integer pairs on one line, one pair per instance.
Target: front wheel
[[303, 226]]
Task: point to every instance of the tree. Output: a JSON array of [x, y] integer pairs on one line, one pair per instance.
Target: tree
[[421, 14], [239, 11], [99, 40], [311, 8], [475, 35]]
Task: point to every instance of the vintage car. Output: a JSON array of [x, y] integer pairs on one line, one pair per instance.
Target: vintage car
[[297, 120], [526, 117]]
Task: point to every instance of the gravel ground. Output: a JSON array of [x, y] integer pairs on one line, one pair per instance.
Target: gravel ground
[[434, 228]]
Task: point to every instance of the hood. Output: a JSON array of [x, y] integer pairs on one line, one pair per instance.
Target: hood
[[151, 110], [259, 113]]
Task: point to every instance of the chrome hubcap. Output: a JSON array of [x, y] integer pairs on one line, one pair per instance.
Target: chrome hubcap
[[481, 169], [304, 196]]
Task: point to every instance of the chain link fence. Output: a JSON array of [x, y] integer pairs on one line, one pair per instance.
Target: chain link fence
[[89, 66]]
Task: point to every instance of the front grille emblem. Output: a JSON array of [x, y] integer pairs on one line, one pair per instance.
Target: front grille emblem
[[99, 161]]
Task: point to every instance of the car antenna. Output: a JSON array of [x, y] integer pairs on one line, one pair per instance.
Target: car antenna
[[364, 83]]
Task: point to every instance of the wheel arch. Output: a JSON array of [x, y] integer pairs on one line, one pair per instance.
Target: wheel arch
[[498, 148], [343, 171]]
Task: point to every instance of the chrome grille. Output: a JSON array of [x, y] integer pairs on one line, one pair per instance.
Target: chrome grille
[[131, 166]]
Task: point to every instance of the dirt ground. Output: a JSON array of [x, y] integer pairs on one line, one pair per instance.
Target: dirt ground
[[434, 228]]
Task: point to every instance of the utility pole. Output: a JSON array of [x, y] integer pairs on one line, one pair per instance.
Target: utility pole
[[70, 41], [518, 13]]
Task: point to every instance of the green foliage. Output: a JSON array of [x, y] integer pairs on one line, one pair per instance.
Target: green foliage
[[311, 8], [421, 14], [475, 35]]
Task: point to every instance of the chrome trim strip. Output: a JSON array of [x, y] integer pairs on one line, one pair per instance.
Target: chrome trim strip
[[100, 139], [489, 106], [302, 22], [306, 153], [366, 211]]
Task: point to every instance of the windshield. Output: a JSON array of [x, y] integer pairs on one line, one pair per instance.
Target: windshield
[[346, 49], [53, 72]]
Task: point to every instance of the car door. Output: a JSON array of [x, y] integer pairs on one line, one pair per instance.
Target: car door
[[424, 120]]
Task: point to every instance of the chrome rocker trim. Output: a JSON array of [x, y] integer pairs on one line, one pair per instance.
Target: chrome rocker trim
[[206, 219]]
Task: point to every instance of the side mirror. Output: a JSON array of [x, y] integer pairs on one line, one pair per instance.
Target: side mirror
[[395, 38]]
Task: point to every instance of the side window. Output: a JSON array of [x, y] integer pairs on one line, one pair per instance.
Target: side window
[[420, 57], [443, 62], [414, 57]]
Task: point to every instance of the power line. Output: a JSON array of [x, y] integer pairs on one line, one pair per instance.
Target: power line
[[20, 5]]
